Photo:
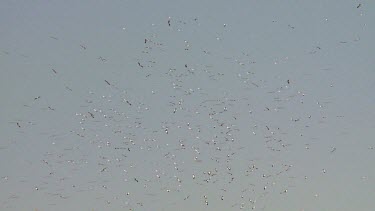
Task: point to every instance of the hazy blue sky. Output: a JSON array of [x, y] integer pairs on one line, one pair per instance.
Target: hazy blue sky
[[187, 105]]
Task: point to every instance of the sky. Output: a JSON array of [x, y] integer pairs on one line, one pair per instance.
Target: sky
[[187, 105]]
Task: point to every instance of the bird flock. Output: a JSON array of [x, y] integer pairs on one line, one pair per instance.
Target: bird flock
[[184, 126]]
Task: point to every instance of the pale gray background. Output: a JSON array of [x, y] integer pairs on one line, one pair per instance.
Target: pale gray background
[[227, 130]]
